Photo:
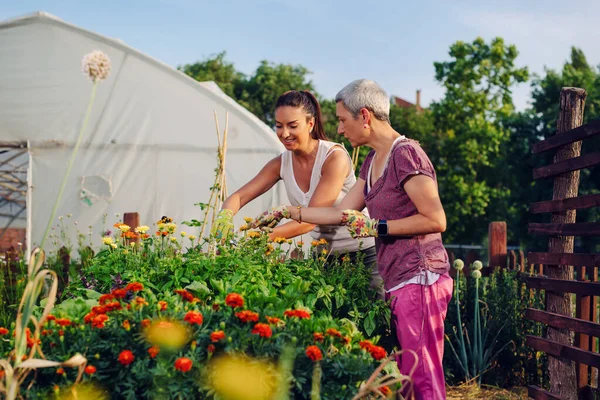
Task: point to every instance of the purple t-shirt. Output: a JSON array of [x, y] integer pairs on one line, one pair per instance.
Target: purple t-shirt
[[400, 258]]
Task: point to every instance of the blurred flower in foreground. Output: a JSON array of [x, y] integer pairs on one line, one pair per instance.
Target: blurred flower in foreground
[[83, 391], [167, 334]]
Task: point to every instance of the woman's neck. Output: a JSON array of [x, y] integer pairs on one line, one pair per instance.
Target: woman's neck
[[382, 140], [307, 153]]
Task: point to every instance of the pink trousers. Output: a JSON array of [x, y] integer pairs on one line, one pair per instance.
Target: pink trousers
[[418, 312]]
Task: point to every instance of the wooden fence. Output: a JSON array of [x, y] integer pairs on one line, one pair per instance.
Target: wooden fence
[[572, 334]]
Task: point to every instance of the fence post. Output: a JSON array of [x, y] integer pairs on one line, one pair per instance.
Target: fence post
[[497, 244], [562, 372], [133, 220]]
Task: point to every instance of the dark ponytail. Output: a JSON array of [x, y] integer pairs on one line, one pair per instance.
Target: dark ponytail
[[309, 103]]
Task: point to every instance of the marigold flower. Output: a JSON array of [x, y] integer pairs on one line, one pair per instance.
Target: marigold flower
[[63, 321], [140, 302], [273, 320], [346, 339], [173, 239], [318, 336], [153, 351], [192, 238], [234, 300], [280, 240], [247, 316], [253, 235], [185, 295], [90, 370], [386, 391], [365, 344], [113, 245], [50, 318], [171, 227], [126, 325], [300, 243], [3, 331], [183, 233], [217, 335], [134, 287], [210, 348], [333, 332], [322, 241], [162, 305], [263, 330], [269, 249], [119, 293], [377, 352], [314, 243], [142, 229], [248, 219], [97, 310], [193, 317], [46, 332], [88, 317], [145, 236], [216, 307], [297, 313], [126, 357], [60, 333], [105, 298], [115, 305], [107, 240], [183, 364], [314, 353], [145, 323], [117, 224], [244, 227], [99, 320], [60, 371], [124, 228]]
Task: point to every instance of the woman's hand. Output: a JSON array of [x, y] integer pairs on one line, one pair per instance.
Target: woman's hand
[[223, 226], [269, 219], [358, 224]]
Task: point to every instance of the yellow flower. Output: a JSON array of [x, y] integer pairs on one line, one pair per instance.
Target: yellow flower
[[173, 239], [300, 243], [248, 219], [269, 250], [253, 234], [314, 243], [324, 251], [107, 240], [244, 228], [322, 241], [124, 228], [132, 244], [161, 226], [113, 245], [280, 240], [183, 233], [171, 227], [192, 237], [142, 229]]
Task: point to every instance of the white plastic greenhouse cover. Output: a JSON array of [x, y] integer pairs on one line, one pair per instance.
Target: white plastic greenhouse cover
[[150, 145]]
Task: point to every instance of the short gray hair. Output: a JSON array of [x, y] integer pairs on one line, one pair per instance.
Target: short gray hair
[[364, 93]]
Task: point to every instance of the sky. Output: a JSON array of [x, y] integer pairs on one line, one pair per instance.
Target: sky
[[393, 42]]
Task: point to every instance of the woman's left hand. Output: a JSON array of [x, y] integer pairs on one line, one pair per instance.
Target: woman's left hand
[[358, 224], [269, 219]]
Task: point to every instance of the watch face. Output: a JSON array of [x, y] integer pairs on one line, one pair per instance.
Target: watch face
[[382, 228]]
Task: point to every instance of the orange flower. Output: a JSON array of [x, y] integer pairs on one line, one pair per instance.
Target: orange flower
[[162, 305], [126, 357], [185, 295], [297, 313], [126, 325], [134, 287], [183, 364], [60, 371], [96, 310], [50, 318], [247, 316], [60, 333], [145, 323], [153, 351], [314, 353], [217, 335], [346, 339], [365, 344], [194, 317], [210, 348], [234, 300], [90, 370], [119, 293], [115, 305], [105, 298], [89, 317], [3, 331], [386, 391], [263, 330], [99, 320], [63, 321], [334, 332], [1, 374], [273, 320], [378, 352], [140, 302], [46, 332], [318, 336]]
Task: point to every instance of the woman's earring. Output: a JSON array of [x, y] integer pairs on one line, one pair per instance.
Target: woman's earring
[[366, 126]]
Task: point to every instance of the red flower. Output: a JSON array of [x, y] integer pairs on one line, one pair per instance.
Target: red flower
[[89, 317], [318, 336], [297, 313], [333, 332], [217, 335], [60, 333], [126, 325], [96, 310], [263, 330], [115, 305], [378, 352], [3, 331], [50, 318], [183, 364], [153, 351], [90, 370], [185, 295], [60, 371], [119, 293], [216, 307], [386, 391], [210, 348], [145, 323], [46, 332], [105, 298], [234, 300], [247, 316], [193, 317], [366, 344], [273, 320], [162, 305], [134, 287], [314, 353], [346, 339], [99, 320], [126, 357], [63, 321]]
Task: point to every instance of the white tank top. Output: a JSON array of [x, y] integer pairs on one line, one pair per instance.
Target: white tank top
[[337, 236]]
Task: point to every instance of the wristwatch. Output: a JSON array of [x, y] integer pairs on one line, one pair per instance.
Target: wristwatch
[[382, 228]]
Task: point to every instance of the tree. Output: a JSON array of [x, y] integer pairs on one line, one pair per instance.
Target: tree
[[217, 69], [469, 133]]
